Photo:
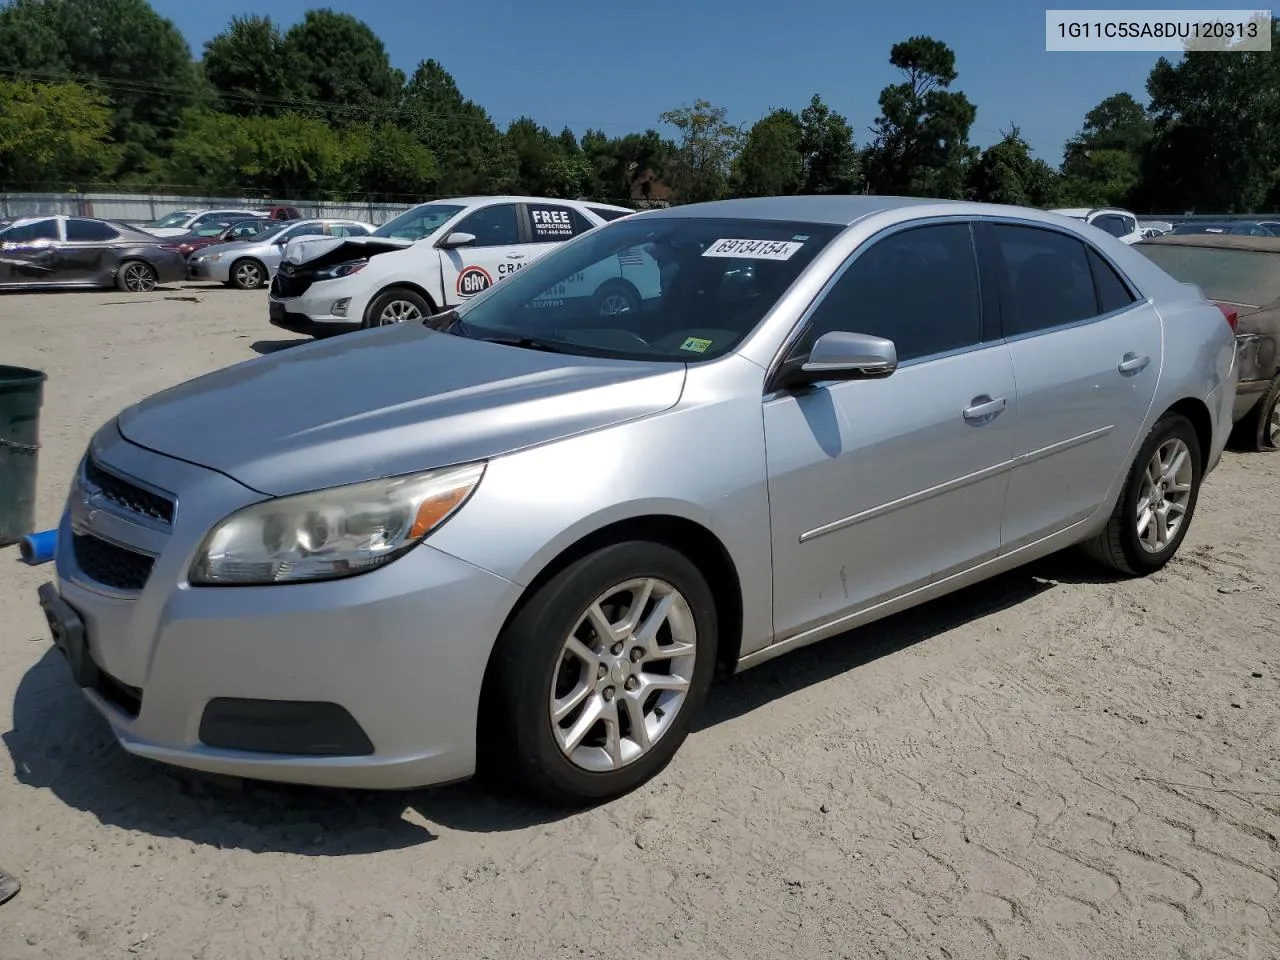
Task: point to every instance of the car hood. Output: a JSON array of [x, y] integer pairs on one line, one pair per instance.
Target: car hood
[[389, 401], [235, 246], [316, 252]]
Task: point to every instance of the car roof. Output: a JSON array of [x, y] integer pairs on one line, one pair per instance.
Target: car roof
[[1224, 241]]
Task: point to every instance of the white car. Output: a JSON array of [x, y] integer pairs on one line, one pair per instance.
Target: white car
[[184, 221], [1121, 224], [437, 255]]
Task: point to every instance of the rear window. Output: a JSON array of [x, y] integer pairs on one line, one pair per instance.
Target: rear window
[[1247, 277]]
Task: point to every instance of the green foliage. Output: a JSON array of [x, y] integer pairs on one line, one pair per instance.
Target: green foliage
[[921, 145], [700, 168], [106, 91], [1007, 173], [54, 133]]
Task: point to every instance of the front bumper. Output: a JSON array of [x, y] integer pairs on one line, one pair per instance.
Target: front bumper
[[399, 652], [217, 270]]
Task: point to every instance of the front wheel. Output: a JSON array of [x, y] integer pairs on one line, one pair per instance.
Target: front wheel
[[396, 305], [248, 274], [1155, 507], [597, 679]]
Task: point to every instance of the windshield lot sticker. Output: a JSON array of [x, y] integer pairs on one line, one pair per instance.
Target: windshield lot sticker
[[551, 224], [696, 345], [471, 280], [753, 249]]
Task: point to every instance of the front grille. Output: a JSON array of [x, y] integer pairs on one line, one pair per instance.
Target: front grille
[[127, 495], [290, 283], [109, 565]]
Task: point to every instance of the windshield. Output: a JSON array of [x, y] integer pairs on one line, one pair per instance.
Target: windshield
[[177, 219], [1244, 277], [418, 223], [650, 289], [273, 231]]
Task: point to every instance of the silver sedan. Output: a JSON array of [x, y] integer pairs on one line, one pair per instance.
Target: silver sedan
[[521, 536], [250, 264]]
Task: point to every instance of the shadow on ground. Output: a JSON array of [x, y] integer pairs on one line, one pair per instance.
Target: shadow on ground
[[60, 743]]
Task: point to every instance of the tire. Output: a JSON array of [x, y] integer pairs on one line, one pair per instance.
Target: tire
[[519, 743], [393, 302], [614, 297], [136, 276], [1259, 430], [1121, 546], [248, 274]]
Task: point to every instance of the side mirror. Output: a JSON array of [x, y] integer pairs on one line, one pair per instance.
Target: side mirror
[[457, 239], [849, 356]]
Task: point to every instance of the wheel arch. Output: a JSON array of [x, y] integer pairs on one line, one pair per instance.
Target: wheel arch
[[401, 285], [1195, 410], [687, 536]]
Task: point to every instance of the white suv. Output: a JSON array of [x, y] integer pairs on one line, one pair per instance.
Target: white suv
[[433, 257], [1121, 224]]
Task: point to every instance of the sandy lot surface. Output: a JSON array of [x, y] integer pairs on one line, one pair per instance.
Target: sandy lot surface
[[1053, 764]]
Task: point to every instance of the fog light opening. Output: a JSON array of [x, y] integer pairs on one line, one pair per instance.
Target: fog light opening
[[339, 308]]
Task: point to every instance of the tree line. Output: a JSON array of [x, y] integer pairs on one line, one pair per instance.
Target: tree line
[[106, 93]]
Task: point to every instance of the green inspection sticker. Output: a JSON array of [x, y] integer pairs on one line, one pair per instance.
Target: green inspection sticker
[[695, 344]]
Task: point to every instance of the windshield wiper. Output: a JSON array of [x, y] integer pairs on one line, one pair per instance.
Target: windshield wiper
[[525, 342]]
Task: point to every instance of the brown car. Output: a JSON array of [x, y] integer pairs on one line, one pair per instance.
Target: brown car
[[1242, 276]]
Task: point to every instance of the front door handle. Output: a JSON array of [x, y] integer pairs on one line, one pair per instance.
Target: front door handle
[[984, 408], [515, 256], [1132, 363]]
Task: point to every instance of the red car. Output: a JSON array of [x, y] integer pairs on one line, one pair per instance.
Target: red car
[[221, 232], [283, 212]]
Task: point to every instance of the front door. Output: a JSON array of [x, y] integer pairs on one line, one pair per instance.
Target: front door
[[1087, 355], [83, 255], [495, 253], [880, 486]]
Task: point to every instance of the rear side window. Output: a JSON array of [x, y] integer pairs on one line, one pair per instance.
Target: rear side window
[[89, 231], [605, 214], [918, 288], [1048, 280], [550, 223], [1113, 294]]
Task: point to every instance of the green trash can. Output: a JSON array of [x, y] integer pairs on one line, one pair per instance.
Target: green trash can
[[21, 393]]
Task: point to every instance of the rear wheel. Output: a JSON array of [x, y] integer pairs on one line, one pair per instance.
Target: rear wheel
[[248, 274], [1155, 507], [136, 276], [597, 679], [397, 305], [614, 297], [1259, 429]]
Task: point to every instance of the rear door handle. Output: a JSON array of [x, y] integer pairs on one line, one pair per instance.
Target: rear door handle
[[1132, 363], [984, 408]]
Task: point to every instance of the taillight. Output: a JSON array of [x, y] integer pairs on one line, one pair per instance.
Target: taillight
[[1232, 316]]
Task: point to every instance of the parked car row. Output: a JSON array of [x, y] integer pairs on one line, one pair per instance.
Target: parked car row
[[519, 531], [62, 251]]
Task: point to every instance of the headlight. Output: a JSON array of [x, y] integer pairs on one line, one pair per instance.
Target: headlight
[[340, 270], [212, 257], [334, 533]]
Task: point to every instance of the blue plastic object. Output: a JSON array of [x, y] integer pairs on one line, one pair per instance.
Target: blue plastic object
[[38, 547]]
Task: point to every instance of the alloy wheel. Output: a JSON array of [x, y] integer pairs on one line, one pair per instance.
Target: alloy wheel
[[623, 674], [613, 304], [1165, 495], [248, 275], [139, 278], [399, 311]]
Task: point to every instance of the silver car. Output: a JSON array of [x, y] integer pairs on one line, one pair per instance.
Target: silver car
[[521, 536], [250, 264]]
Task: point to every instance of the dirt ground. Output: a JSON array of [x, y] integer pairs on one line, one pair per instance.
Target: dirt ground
[[1052, 764]]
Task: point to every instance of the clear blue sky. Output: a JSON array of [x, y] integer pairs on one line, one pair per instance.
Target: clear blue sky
[[617, 65]]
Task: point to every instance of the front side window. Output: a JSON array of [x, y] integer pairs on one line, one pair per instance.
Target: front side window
[[672, 289], [495, 226], [31, 232], [1112, 224], [918, 288], [418, 223], [552, 223], [1048, 279], [90, 231]]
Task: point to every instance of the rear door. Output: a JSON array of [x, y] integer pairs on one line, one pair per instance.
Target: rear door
[[496, 252], [1087, 354]]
